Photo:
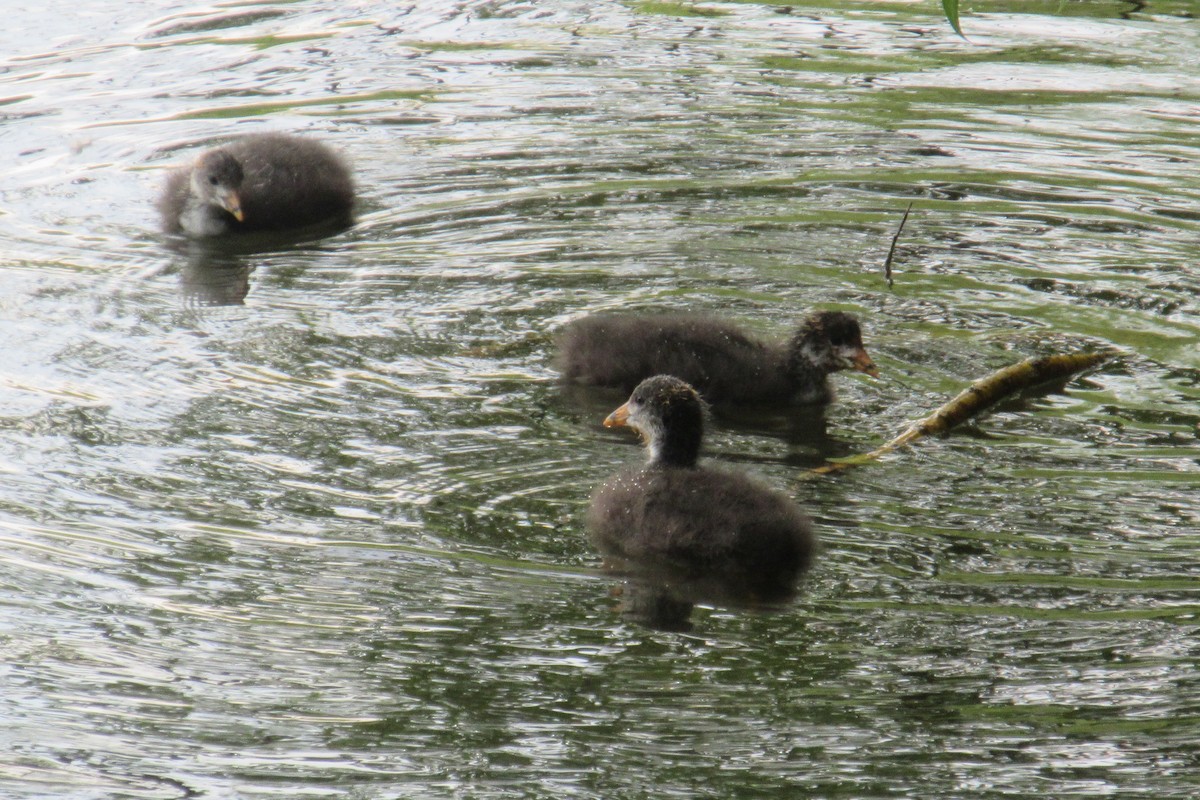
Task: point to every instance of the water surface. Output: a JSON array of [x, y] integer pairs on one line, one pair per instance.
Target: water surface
[[308, 522]]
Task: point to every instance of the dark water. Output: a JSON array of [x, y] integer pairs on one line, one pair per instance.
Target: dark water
[[325, 540]]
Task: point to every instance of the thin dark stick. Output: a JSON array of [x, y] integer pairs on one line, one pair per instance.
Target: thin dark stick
[[887, 262]]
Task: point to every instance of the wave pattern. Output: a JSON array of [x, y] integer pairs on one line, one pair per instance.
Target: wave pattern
[[309, 520]]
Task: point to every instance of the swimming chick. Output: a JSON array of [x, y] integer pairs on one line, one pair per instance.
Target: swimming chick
[[261, 182], [726, 365], [698, 521]]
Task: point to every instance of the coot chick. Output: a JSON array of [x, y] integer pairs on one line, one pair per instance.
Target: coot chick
[[261, 182], [725, 364], [701, 523]]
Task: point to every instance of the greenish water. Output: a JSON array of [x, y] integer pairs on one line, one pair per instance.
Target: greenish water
[[325, 540]]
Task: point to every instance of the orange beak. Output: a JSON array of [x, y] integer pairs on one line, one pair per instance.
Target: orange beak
[[863, 363], [233, 204], [618, 418]]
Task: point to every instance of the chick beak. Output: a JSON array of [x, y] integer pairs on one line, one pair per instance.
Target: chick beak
[[618, 418], [233, 204], [862, 362]]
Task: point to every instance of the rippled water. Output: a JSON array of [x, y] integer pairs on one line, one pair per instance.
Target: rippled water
[[307, 523]]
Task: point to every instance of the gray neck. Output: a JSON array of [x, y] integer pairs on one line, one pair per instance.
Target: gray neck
[[202, 219], [809, 375]]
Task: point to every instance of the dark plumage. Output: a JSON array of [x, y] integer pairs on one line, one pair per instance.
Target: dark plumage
[[699, 522], [726, 365], [262, 182]]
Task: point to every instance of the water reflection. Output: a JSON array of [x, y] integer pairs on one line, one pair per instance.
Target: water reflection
[[323, 547], [215, 271], [207, 278], [662, 598], [805, 431]]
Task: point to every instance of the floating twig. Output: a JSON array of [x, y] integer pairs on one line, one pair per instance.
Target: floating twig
[[977, 397]]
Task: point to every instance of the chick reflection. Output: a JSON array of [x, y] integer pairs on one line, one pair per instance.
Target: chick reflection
[[260, 193], [214, 279], [663, 598], [686, 533]]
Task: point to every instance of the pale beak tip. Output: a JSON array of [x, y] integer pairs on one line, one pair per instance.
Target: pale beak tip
[[863, 363], [617, 418]]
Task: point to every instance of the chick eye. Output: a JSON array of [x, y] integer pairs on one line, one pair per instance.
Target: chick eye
[[212, 179]]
